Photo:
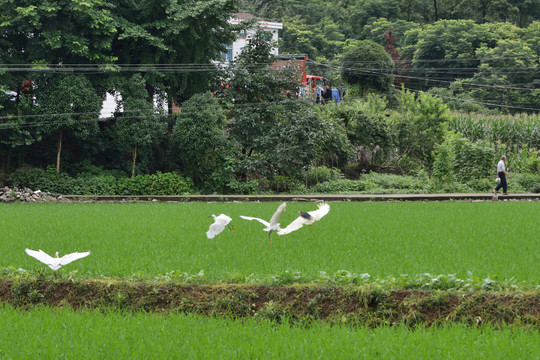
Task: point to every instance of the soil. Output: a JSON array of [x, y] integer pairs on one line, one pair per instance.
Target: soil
[[356, 305]]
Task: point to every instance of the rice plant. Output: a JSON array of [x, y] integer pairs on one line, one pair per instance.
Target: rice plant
[[66, 334], [149, 240]]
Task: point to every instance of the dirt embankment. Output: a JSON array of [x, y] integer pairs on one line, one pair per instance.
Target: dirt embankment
[[304, 303]]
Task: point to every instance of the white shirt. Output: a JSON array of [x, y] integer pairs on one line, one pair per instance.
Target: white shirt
[[500, 167]]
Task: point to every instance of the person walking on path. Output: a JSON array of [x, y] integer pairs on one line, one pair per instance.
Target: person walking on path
[[502, 174]]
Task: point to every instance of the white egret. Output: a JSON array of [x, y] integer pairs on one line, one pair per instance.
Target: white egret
[[56, 263], [220, 222], [273, 225], [306, 218]]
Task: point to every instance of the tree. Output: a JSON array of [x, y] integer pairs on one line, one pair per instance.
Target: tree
[[366, 65], [198, 136], [297, 37], [17, 127], [140, 123], [273, 132], [377, 29], [253, 89], [150, 32], [55, 32], [39, 34], [367, 11], [419, 121], [164, 34], [69, 106], [532, 37], [403, 66], [485, 10], [507, 77], [366, 125], [528, 11], [440, 51]]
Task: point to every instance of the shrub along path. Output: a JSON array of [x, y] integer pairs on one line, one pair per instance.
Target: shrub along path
[[356, 305], [314, 197]]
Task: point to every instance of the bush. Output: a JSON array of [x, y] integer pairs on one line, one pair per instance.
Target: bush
[[453, 187], [155, 184], [319, 174], [443, 169], [282, 183], [170, 184], [243, 188], [472, 160], [374, 183], [35, 179], [390, 181], [529, 182], [340, 186], [458, 159], [481, 185]]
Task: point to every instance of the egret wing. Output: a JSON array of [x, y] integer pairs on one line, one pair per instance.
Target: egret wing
[[66, 259], [215, 229], [265, 223], [295, 225], [275, 218], [317, 215], [223, 219], [40, 255]]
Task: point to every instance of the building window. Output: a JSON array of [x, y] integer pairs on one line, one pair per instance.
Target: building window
[[242, 34], [228, 54]]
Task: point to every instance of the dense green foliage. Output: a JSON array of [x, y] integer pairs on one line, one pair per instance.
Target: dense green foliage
[[68, 105], [102, 184], [141, 124], [357, 61], [460, 66]]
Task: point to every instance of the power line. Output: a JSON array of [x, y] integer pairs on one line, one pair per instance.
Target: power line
[[388, 74], [199, 67], [224, 107], [196, 110], [474, 101]]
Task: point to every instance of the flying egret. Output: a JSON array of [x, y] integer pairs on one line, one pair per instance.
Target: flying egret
[[273, 225], [218, 226], [306, 218], [56, 263]]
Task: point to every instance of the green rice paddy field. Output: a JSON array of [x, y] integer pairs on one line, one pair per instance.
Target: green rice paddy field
[[383, 239], [150, 240], [43, 333]]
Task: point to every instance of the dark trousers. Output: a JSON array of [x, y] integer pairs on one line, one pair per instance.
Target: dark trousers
[[503, 183]]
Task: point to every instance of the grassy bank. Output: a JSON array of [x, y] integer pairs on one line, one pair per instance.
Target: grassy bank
[[366, 305]]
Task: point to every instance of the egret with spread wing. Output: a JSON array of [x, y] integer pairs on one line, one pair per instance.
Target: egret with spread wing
[[220, 222], [273, 225], [56, 263], [306, 218]]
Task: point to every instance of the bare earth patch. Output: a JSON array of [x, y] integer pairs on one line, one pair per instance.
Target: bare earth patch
[[356, 305]]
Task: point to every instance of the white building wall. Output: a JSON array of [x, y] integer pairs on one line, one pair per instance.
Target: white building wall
[[235, 49], [110, 103], [237, 46]]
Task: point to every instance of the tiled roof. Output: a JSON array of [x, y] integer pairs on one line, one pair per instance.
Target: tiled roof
[[243, 16]]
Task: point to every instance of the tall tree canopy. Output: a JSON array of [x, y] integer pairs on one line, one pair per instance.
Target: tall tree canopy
[[367, 66], [166, 34], [160, 34]]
